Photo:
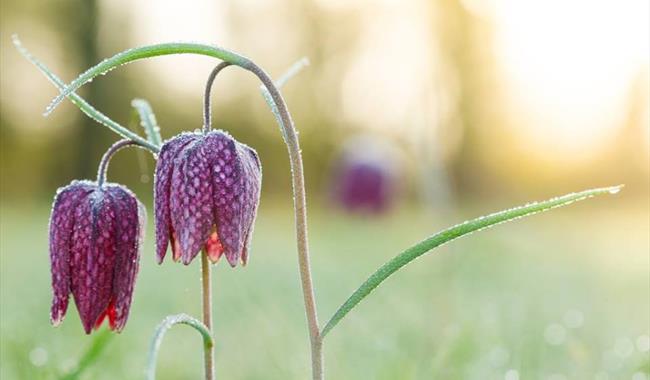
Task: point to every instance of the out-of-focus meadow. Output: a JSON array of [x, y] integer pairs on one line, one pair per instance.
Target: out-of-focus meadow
[[489, 104]]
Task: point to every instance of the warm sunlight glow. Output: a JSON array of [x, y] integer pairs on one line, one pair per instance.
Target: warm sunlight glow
[[192, 20], [570, 68]]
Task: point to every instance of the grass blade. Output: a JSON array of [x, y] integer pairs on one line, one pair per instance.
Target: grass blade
[[148, 121], [91, 355], [449, 234], [290, 73], [77, 100], [162, 328]]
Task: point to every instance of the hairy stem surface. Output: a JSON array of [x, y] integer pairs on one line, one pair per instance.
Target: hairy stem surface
[[300, 210], [208, 350], [163, 327], [106, 158]]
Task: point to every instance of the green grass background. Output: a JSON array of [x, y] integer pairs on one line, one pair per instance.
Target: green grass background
[[479, 308]]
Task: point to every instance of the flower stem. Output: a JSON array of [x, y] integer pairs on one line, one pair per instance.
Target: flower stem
[[106, 158], [208, 349], [207, 109], [161, 330], [300, 211], [300, 200]]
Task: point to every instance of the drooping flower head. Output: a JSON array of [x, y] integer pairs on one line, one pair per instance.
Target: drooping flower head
[[365, 176], [95, 238], [206, 193]]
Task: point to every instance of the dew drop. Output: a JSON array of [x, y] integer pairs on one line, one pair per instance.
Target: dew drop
[[624, 347], [573, 319], [38, 356], [68, 365], [615, 190], [643, 343], [611, 361], [511, 374], [555, 334], [602, 375], [498, 357]]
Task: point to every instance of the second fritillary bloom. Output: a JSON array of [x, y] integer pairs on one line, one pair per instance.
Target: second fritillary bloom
[[206, 194]]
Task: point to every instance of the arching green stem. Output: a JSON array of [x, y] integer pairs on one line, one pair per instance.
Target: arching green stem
[[162, 328], [106, 158], [135, 54], [207, 107]]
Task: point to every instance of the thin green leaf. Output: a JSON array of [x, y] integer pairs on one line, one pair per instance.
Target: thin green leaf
[[290, 73], [134, 124], [86, 108], [162, 328], [93, 352], [148, 121], [449, 234], [149, 51]]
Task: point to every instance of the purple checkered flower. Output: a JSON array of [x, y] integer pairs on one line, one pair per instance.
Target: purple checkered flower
[[365, 178], [206, 193], [95, 238]]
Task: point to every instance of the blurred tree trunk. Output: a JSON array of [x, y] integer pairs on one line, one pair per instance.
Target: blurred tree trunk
[[466, 41], [86, 39]]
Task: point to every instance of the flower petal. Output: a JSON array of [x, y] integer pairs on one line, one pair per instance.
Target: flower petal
[[129, 232], [236, 179], [93, 258], [251, 190], [61, 224], [191, 200], [162, 183], [213, 246]]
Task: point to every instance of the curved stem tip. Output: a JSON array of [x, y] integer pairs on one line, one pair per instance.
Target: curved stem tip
[[166, 324], [207, 108], [106, 158]]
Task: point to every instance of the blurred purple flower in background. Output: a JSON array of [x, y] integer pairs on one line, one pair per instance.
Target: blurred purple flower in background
[[95, 238], [365, 176]]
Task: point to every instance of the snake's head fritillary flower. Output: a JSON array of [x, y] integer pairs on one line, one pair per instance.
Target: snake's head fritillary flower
[[95, 239], [207, 189], [365, 176]]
